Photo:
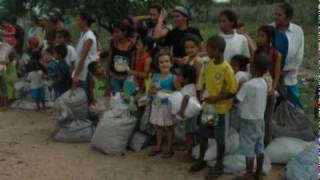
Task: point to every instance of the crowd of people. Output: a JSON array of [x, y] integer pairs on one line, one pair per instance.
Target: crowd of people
[[225, 72]]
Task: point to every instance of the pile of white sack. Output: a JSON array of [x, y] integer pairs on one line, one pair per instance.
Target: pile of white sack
[[70, 123]]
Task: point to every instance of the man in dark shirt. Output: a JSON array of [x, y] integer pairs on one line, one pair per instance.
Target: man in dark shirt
[[175, 38]]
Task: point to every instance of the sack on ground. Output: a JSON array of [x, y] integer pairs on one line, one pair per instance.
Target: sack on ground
[[211, 152], [193, 107], [282, 149], [237, 164], [291, 121], [61, 114], [235, 119], [232, 144], [77, 102], [304, 165], [137, 141], [75, 131], [21, 88], [113, 132]]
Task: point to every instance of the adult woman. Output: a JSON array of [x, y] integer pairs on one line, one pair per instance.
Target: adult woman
[[121, 56], [175, 38], [86, 50], [290, 42]]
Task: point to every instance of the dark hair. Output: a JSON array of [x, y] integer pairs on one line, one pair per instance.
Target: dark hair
[[242, 60], [49, 49], [231, 16], [194, 39], [66, 34], [287, 9], [262, 62], [129, 19], [270, 33], [87, 17], [61, 50], [92, 67], [157, 7], [128, 30], [217, 42], [33, 66], [155, 63], [146, 42], [189, 72], [104, 54]]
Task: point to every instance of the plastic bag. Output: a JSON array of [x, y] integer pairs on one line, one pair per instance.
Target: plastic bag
[[113, 132], [304, 165], [77, 102], [291, 121], [237, 164], [193, 108], [75, 131], [282, 149], [137, 141]]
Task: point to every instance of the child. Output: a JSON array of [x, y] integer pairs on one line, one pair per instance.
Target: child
[[239, 65], [235, 43], [253, 98], [220, 87], [63, 82], [52, 67], [193, 47], [36, 78], [266, 36], [63, 37], [120, 57], [98, 84], [143, 61], [187, 77], [161, 116], [11, 76]]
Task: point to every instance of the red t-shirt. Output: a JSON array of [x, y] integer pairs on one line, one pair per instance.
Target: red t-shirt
[[139, 67]]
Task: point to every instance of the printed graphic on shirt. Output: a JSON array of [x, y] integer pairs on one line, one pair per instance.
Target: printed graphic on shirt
[[121, 63]]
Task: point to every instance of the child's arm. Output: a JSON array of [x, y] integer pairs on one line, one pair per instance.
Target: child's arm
[[277, 72], [91, 87], [184, 105], [220, 97]]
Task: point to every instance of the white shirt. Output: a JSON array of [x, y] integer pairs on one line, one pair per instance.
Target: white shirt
[[242, 76], [189, 90], [253, 99], [36, 79], [92, 54], [235, 44], [295, 53], [72, 55]]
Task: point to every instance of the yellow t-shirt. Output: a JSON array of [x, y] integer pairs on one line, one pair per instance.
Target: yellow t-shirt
[[220, 78]]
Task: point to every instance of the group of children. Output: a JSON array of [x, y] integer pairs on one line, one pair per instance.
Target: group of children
[[226, 77]]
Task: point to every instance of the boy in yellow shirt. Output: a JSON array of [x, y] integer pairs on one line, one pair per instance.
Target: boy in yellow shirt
[[220, 87]]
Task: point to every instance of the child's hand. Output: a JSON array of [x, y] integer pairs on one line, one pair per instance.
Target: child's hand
[[181, 114], [211, 99]]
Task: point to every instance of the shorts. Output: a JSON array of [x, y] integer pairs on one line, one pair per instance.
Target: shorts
[[38, 94], [251, 137], [116, 84], [192, 125], [217, 132]]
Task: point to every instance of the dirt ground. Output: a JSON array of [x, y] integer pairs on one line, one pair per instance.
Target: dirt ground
[[27, 152]]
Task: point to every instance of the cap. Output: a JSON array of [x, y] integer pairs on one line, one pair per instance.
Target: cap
[[183, 10]]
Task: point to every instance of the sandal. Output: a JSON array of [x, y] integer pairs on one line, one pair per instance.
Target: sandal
[[213, 173], [167, 154], [197, 166], [154, 152]]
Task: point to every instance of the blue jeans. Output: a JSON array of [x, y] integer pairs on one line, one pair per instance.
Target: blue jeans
[[293, 95], [116, 84]]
